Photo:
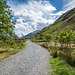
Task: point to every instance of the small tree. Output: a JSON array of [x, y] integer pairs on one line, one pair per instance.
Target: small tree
[[41, 36], [56, 37], [70, 37], [48, 37], [62, 38], [65, 37], [73, 35]]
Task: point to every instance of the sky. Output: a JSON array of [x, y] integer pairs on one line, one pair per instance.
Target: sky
[[34, 15]]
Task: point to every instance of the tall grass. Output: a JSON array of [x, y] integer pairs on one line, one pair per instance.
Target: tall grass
[[10, 48], [60, 67]]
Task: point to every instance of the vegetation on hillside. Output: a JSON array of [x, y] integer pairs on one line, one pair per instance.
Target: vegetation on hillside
[[63, 37], [65, 22], [59, 39], [60, 67]]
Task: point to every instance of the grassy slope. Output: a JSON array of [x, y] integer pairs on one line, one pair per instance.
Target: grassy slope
[[61, 24]]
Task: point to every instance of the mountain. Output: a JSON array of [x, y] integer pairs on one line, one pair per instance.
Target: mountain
[[65, 22], [31, 34], [14, 35]]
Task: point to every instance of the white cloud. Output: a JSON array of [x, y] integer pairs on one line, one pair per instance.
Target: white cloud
[[35, 14], [58, 13], [68, 5]]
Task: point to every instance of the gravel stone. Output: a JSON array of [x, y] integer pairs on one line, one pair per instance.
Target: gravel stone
[[34, 60]]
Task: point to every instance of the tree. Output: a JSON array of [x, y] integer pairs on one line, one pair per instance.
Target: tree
[[65, 37], [48, 37], [6, 24], [62, 38], [70, 37], [41, 36], [56, 37], [73, 37]]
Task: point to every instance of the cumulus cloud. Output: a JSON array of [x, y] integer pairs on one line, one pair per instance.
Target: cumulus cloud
[[68, 5], [58, 13], [33, 15]]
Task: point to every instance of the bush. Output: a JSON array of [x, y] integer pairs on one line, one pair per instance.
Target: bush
[[73, 60], [54, 54], [12, 43], [59, 67]]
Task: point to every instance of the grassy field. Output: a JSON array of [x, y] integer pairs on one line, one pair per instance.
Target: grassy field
[[63, 61], [60, 67], [9, 49], [52, 43]]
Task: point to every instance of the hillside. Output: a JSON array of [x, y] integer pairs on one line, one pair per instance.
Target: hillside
[[31, 34], [65, 22]]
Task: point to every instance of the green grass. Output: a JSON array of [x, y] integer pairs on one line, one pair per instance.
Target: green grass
[[3, 58], [60, 67], [8, 49]]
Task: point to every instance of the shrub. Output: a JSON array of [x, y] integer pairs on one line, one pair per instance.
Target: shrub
[[60, 67], [12, 43], [54, 54]]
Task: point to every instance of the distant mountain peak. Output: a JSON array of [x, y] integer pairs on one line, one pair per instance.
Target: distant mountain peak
[[32, 34]]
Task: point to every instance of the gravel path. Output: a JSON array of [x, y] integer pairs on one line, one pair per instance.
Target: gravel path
[[34, 60]]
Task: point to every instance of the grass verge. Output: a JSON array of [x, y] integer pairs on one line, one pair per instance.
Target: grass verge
[[7, 50], [60, 67]]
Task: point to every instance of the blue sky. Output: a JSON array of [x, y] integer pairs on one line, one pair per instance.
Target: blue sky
[[34, 15], [56, 3]]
